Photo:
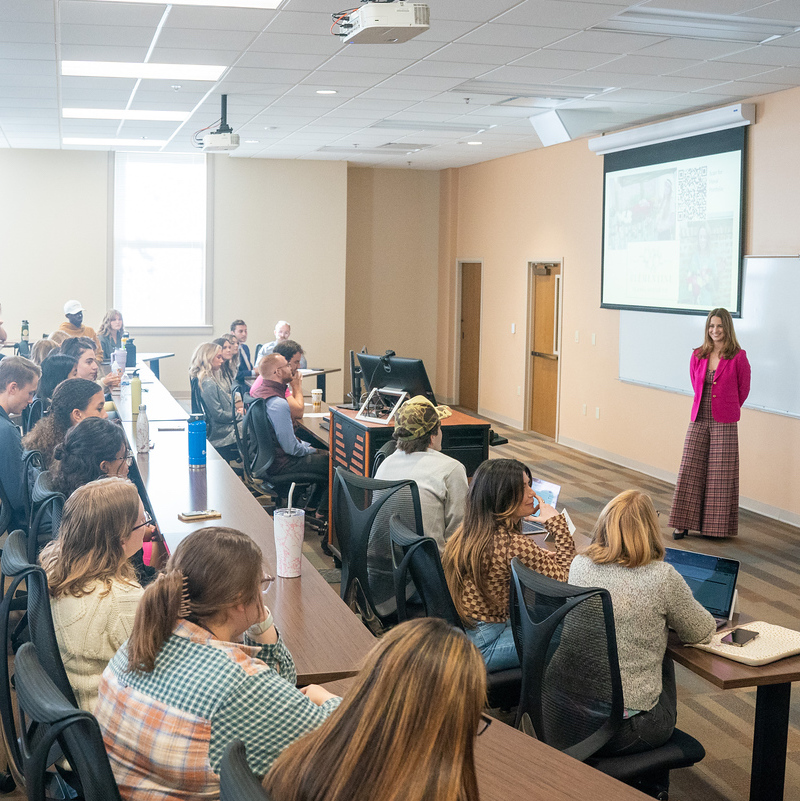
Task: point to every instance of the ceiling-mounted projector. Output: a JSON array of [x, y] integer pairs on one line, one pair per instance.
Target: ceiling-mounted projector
[[223, 139], [384, 23]]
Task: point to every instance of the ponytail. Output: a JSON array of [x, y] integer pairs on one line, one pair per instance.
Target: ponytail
[[156, 617]]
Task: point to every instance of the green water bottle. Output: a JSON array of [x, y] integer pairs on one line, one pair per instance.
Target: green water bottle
[[136, 394], [25, 335]]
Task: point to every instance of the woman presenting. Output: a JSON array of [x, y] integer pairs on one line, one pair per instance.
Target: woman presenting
[[707, 493]]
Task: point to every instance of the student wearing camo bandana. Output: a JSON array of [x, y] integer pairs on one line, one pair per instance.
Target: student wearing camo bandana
[[442, 481]]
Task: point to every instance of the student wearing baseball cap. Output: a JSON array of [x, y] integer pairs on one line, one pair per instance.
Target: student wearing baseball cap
[[442, 481], [74, 327]]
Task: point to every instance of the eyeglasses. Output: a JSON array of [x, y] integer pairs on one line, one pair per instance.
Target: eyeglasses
[[148, 521], [486, 721], [128, 458], [266, 582]]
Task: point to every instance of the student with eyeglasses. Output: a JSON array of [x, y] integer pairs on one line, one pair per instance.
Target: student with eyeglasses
[[93, 587], [405, 729]]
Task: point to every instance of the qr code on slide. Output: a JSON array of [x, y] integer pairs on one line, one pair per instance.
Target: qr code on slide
[[692, 186]]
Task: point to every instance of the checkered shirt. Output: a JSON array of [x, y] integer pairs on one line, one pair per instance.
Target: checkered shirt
[[166, 731], [508, 544]]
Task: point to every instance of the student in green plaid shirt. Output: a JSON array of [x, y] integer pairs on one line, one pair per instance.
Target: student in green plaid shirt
[[183, 686]]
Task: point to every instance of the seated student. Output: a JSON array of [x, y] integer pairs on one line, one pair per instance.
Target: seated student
[[18, 380], [649, 596], [228, 369], [82, 350], [477, 558], [216, 392], [406, 728], [441, 480], [73, 400], [93, 588], [282, 333], [74, 327], [42, 349], [110, 333], [55, 368], [184, 686], [292, 352], [293, 455], [246, 368]]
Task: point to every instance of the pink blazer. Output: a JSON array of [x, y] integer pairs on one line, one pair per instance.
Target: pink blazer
[[730, 388]]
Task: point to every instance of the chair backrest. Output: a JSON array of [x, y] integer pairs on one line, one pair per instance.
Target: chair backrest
[[32, 467], [31, 414], [47, 718], [236, 781], [362, 508], [5, 510], [198, 406], [418, 557], [387, 449], [45, 524], [259, 439], [571, 685]]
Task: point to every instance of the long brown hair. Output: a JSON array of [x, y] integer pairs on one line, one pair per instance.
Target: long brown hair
[[406, 729], [627, 532], [98, 518], [105, 327], [496, 491], [731, 346], [218, 568]]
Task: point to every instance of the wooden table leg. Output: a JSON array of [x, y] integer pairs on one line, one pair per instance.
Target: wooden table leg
[[769, 742]]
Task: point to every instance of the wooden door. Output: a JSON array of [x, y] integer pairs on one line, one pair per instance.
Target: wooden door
[[544, 351], [470, 335]]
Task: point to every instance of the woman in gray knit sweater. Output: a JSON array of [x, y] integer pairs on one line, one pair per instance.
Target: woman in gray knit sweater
[[649, 596]]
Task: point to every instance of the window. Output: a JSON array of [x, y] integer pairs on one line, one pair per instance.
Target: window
[[160, 276]]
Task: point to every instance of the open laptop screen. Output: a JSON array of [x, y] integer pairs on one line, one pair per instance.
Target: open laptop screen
[[712, 579]]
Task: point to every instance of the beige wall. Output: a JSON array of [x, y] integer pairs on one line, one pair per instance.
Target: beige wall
[[392, 263], [547, 204], [279, 250]]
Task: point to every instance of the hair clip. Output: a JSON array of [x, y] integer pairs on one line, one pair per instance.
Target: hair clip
[[186, 604]]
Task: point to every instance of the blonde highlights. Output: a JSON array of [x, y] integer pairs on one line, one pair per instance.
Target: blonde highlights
[[404, 732], [627, 532], [202, 357]]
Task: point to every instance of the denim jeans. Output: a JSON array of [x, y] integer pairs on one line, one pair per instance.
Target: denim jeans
[[495, 641]]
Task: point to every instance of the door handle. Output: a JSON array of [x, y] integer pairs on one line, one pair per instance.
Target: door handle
[[553, 356]]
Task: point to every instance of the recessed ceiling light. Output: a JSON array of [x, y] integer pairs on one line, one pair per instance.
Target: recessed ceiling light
[[264, 4], [474, 143], [696, 25], [326, 91], [123, 69], [82, 140], [123, 114]]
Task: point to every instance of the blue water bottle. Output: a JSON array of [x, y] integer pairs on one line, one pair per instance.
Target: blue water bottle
[[197, 442]]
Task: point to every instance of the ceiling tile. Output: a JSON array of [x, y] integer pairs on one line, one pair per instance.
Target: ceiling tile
[[271, 42], [440, 31], [446, 69], [479, 54], [27, 50], [356, 64], [773, 56], [675, 83], [229, 19], [345, 79], [35, 32], [265, 77], [290, 61], [563, 59], [202, 39], [606, 42], [558, 13], [526, 36], [722, 71], [385, 93], [84, 52], [476, 12], [180, 55], [527, 75], [745, 89], [77, 12], [786, 10]]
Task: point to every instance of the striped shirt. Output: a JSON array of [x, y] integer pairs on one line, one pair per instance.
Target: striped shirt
[[166, 731]]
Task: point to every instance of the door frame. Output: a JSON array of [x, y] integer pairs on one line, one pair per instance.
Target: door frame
[[529, 340], [457, 331]]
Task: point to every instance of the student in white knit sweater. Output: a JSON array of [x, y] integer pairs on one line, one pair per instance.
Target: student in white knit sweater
[[93, 588], [649, 597]]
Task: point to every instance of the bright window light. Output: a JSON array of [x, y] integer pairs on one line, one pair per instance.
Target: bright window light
[[85, 140], [160, 239], [124, 69], [123, 114], [266, 4]]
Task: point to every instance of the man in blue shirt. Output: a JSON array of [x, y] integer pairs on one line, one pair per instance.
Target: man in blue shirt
[[293, 456], [19, 378], [246, 368]]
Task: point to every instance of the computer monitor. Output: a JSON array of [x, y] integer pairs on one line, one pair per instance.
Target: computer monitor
[[395, 372]]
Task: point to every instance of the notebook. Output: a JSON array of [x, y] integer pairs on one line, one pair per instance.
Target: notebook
[[712, 580]]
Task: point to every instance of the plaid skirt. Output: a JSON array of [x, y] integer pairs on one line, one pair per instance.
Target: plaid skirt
[[707, 492]]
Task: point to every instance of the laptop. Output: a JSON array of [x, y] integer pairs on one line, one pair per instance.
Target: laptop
[[712, 580]]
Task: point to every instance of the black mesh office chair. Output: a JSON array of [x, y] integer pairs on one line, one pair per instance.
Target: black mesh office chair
[[362, 508], [571, 685], [260, 445], [418, 557], [5, 510], [32, 414], [47, 719], [45, 524], [257, 486], [236, 781], [386, 450], [32, 466], [198, 407]]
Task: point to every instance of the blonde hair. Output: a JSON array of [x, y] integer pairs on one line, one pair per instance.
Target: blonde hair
[[98, 518], [202, 357], [405, 730], [627, 532], [267, 365], [105, 327], [42, 349], [731, 346], [59, 337]]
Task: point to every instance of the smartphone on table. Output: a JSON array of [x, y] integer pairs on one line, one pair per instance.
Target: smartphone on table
[[739, 637]]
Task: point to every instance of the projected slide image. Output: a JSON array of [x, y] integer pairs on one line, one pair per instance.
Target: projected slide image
[[672, 234]]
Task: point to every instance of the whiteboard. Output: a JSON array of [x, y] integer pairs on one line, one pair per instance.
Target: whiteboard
[[654, 349]]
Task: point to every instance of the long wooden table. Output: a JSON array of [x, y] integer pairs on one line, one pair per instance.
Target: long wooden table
[[160, 403], [773, 694], [325, 638]]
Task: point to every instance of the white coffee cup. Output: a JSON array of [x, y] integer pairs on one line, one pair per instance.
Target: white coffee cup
[[316, 399]]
